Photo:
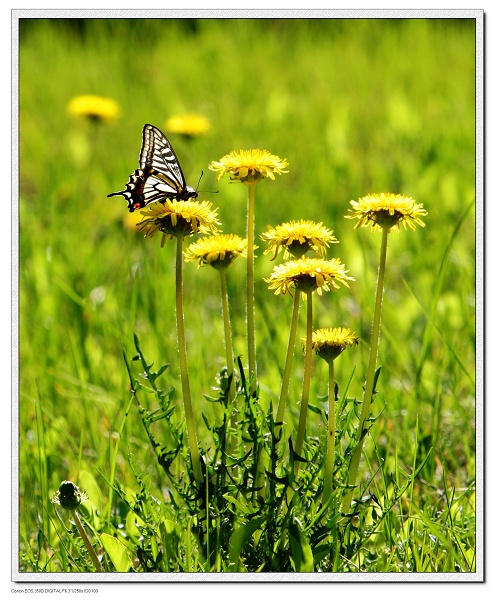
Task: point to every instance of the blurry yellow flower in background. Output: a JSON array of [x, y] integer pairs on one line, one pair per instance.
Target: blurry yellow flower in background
[[219, 251], [297, 237], [387, 211], [188, 125], [308, 275], [132, 219], [249, 166], [175, 218], [95, 108]]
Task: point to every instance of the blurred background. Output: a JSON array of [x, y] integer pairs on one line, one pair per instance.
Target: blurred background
[[355, 106]]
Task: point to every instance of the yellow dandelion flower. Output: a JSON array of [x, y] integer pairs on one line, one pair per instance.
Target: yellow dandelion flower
[[177, 218], [329, 343], [188, 125], [388, 211], [249, 166], [95, 108], [219, 251], [297, 237], [308, 275]]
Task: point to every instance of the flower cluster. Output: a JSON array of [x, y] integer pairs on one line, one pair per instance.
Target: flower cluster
[[301, 274]]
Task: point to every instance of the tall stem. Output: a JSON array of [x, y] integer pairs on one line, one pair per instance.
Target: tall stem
[[87, 543], [250, 289], [306, 381], [229, 351], [186, 390], [288, 363], [227, 331], [328, 483], [370, 375]]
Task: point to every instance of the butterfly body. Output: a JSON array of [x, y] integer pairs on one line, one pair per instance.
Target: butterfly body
[[159, 176]]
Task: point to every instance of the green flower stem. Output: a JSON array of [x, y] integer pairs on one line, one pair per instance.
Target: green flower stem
[[186, 390], [227, 332], [250, 288], [87, 543], [306, 381], [288, 363], [229, 351], [370, 375], [260, 474], [328, 483]]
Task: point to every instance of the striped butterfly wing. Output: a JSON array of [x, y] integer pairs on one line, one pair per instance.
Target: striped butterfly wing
[[159, 177]]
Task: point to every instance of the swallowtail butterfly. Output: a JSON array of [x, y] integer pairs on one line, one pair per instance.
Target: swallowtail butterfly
[[159, 176]]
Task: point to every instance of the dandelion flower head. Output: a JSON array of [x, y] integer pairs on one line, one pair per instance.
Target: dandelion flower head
[[179, 218], [219, 250], [95, 108], [188, 125], [297, 237], [249, 166], [388, 211], [308, 275], [329, 343]]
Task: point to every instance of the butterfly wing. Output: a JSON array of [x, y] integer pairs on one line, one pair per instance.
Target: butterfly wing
[[158, 154], [159, 177]]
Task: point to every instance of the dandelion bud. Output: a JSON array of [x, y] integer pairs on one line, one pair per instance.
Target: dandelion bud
[[69, 496]]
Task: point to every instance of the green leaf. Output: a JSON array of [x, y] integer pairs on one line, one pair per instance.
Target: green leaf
[[301, 550], [87, 482], [171, 536], [239, 538], [117, 553]]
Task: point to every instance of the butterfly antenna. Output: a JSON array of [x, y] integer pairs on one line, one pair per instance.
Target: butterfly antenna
[[205, 191]]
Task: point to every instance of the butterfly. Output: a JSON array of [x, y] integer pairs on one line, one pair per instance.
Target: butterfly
[[159, 176]]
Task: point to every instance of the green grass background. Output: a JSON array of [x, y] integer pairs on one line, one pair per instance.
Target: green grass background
[[355, 106]]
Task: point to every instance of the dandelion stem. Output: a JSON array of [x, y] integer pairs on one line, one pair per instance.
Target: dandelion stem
[[227, 331], [87, 543], [288, 363], [186, 390], [306, 381], [370, 375], [250, 288], [228, 347], [328, 484]]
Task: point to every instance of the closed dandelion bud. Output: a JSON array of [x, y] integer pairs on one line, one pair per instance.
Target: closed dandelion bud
[[69, 496]]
